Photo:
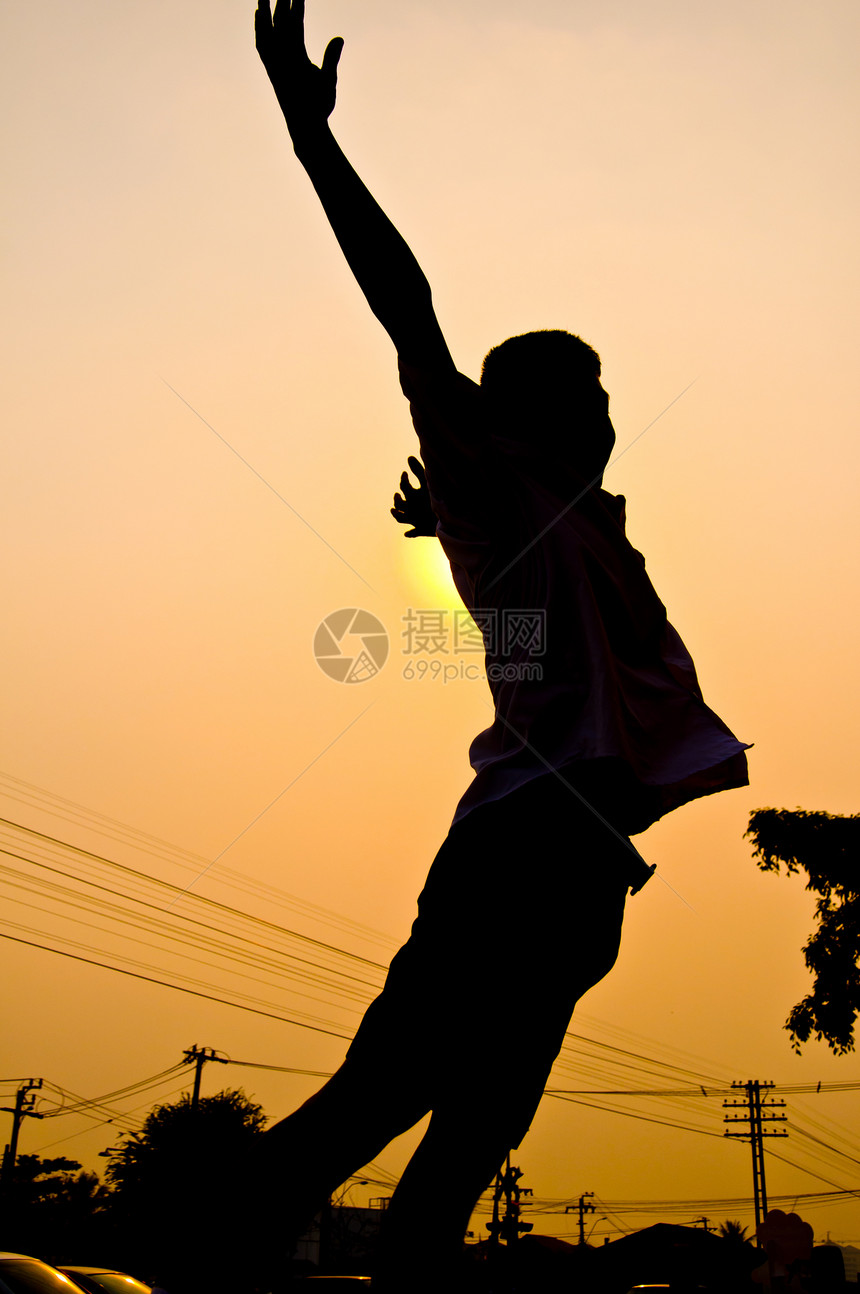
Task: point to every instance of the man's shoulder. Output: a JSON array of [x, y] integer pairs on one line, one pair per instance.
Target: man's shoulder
[[435, 384]]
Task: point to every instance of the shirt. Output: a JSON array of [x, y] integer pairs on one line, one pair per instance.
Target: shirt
[[589, 679]]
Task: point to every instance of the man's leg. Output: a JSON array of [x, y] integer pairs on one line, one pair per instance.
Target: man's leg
[[383, 1088], [498, 888], [363, 1107], [377, 1094], [510, 899], [470, 1134], [422, 1236]]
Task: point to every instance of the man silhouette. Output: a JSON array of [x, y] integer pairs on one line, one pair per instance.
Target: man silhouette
[[599, 728]]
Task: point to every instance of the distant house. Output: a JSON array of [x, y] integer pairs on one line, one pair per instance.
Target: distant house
[[341, 1238], [662, 1254], [851, 1259]]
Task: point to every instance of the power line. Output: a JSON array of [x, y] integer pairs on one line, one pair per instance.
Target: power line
[[179, 988], [131, 1125], [227, 952], [557, 1093], [281, 1069], [698, 1092], [613, 1051], [846, 1190], [83, 1103], [47, 802], [801, 1132], [167, 885], [638, 1058], [725, 1204], [576, 1044], [630, 1114], [620, 1056], [297, 968]]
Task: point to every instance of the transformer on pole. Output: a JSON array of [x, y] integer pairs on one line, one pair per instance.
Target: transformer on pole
[[581, 1208], [198, 1056], [24, 1107]]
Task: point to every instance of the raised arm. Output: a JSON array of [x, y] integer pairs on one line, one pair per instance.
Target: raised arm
[[387, 272]]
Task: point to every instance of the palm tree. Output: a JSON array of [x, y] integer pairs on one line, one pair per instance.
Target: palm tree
[[733, 1231]]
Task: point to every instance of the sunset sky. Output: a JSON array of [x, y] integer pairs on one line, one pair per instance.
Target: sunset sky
[[203, 430]]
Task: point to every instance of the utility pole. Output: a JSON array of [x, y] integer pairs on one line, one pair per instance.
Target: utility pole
[[757, 1114], [198, 1056], [23, 1108], [582, 1208], [509, 1226], [494, 1226], [704, 1221]]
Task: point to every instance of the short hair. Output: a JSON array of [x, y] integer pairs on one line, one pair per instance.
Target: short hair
[[516, 364], [543, 390]]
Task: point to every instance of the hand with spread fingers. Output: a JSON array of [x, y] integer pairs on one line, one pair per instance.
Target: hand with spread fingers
[[413, 507], [305, 92]]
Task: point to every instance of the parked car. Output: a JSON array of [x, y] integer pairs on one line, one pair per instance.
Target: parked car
[[20, 1274], [102, 1280], [331, 1284]]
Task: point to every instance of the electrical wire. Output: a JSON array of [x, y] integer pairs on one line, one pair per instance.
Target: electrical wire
[[179, 988], [111, 828], [275, 969], [184, 931], [177, 891]]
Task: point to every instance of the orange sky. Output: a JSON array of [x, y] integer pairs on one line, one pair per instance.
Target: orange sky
[[678, 183]]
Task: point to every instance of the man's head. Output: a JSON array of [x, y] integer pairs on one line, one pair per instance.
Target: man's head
[[544, 389]]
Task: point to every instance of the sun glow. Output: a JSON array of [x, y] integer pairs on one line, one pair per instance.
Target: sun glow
[[430, 574]]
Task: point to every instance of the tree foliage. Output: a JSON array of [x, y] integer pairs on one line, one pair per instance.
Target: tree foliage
[[827, 848], [170, 1182], [734, 1232], [178, 1142], [49, 1206]]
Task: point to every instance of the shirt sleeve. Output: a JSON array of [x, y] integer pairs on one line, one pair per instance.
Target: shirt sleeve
[[459, 458]]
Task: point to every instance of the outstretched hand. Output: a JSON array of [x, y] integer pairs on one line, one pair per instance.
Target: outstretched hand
[[305, 92], [413, 507]]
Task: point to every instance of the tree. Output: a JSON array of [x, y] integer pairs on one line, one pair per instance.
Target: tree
[[827, 847], [741, 1255], [50, 1207], [178, 1137], [168, 1178]]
